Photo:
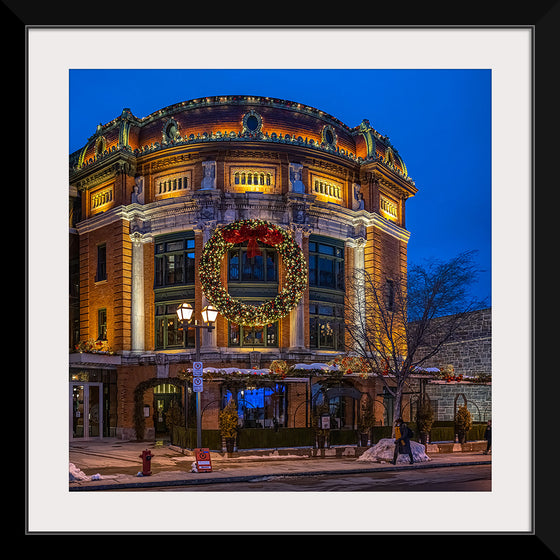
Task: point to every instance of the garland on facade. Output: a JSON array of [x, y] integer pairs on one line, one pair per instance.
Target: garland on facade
[[94, 347], [225, 238], [262, 377]]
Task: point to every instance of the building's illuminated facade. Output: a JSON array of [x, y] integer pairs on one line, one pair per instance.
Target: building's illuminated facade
[[147, 194]]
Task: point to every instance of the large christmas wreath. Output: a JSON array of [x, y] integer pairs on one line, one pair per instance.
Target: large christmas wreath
[[225, 238]]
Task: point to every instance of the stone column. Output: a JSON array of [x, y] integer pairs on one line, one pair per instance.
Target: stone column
[[208, 339], [297, 316], [137, 318], [359, 245]]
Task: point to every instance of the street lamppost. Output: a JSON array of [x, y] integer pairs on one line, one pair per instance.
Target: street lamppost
[[209, 315]]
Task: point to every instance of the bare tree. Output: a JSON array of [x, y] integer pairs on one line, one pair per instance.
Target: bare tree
[[389, 320]]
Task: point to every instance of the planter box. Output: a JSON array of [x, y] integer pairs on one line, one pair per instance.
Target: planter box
[[83, 358]]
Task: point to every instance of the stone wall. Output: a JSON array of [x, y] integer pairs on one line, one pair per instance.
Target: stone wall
[[470, 354], [470, 350], [443, 396]]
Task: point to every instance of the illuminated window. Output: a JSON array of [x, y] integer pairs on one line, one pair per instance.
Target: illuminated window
[[101, 198], [261, 336], [326, 326], [329, 189], [169, 331], [388, 208], [172, 183], [102, 324], [251, 177], [260, 407]]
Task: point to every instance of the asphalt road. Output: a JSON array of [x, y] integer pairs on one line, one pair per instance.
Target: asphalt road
[[469, 478]]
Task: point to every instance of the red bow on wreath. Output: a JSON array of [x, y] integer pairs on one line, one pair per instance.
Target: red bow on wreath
[[259, 233]]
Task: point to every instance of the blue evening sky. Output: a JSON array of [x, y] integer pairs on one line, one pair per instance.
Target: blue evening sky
[[438, 120]]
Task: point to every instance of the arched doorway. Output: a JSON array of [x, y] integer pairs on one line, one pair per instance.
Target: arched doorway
[[341, 400], [168, 393], [165, 396]]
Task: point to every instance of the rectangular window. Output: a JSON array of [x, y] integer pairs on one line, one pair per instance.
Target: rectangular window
[[326, 265], [271, 266], [390, 295], [102, 324], [169, 331], [174, 263], [175, 268], [234, 265], [253, 336], [175, 246], [326, 273], [101, 272], [326, 326], [260, 268]]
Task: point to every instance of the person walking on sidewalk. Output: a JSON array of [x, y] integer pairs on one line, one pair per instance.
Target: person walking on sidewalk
[[488, 437], [402, 441]]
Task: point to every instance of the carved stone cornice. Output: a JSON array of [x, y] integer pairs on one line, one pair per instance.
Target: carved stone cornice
[[103, 170], [215, 207]]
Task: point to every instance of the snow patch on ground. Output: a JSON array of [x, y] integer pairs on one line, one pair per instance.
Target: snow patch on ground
[[76, 475], [384, 449]]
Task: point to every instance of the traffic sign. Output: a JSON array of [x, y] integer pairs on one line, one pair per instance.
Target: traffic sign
[[197, 368], [203, 460], [197, 384]]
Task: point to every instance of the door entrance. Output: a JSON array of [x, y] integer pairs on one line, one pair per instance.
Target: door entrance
[[86, 418], [164, 395]]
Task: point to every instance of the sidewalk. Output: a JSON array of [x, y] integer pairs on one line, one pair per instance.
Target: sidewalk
[[118, 463]]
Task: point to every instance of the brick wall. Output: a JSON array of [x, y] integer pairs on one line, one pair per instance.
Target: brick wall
[[113, 293]]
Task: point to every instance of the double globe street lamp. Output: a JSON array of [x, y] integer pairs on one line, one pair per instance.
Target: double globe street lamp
[[209, 314]]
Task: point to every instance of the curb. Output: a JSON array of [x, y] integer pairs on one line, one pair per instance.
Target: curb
[[247, 478]]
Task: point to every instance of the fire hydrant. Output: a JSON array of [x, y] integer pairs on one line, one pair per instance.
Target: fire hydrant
[[146, 462]]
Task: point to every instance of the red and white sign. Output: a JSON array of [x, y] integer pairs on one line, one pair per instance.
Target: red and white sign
[[203, 461]]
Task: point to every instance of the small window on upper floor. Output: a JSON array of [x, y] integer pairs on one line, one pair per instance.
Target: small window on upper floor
[[102, 324], [390, 295], [101, 272]]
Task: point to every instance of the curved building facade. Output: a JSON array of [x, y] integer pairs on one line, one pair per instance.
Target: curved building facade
[[146, 195]]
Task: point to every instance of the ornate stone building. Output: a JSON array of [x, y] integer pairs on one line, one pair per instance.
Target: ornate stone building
[[146, 196]]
